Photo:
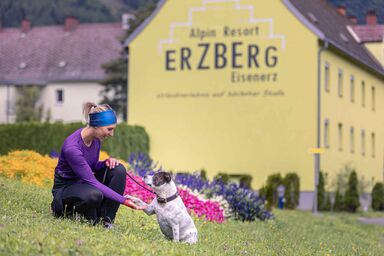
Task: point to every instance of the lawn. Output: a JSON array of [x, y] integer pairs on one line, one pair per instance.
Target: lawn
[[27, 228]]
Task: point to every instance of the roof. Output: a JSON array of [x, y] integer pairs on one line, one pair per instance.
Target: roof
[[50, 54], [324, 20], [370, 33]]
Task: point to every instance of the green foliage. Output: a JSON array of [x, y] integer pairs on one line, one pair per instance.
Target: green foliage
[[223, 176], [115, 91], [351, 199], [291, 182], [378, 197], [338, 205], [321, 192], [273, 181], [27, 228], [27, 109], [45, 137], [328, 203]]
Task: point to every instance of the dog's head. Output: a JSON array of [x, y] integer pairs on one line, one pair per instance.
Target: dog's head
[[160, 181]]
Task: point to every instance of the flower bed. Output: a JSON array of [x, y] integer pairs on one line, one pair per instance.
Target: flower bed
[[209, 209], [236, 201]]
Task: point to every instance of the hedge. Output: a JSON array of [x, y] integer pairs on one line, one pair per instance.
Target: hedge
[[46, 138]]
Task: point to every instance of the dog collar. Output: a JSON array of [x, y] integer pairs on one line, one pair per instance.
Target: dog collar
[[168, 199]]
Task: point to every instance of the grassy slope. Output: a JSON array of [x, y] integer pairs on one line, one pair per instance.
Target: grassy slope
[[26, 228]]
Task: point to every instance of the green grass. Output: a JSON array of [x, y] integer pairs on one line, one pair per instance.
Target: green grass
[[27, 228]]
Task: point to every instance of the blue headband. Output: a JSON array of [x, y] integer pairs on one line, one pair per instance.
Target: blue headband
[[102, 118]]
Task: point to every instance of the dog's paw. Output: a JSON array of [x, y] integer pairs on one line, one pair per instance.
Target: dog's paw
[[136, 200]]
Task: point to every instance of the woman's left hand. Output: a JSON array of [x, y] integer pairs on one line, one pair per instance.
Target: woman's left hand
[[112, 162]]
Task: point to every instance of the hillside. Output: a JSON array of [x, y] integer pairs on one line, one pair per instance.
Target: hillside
[[27, 228], [359, 8], [52, 12]]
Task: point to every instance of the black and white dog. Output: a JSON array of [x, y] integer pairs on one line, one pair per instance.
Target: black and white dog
[[174, 221]]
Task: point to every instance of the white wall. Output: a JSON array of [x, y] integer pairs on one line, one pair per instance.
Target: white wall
[[7, 93], [74, 95]]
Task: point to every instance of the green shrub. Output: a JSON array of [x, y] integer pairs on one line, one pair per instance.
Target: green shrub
[[338, 205], [351, 200], [378, 197], [321, 192], [292, 190], [273, 181], [46, 137], [328, 204]]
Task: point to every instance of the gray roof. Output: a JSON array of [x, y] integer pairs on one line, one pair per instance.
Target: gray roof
[[50, 54], [327, 24]]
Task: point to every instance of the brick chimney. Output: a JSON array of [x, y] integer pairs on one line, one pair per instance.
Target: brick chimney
[[341, 10], [70, 23], [371, 18], [25, 26], [353, 18]]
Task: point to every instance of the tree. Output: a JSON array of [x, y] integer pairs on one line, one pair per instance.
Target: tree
[[292, 190], [27, 108], [378, 197], [115, 84], [321, 192], [352, 200], [339, 201], [273, 181]]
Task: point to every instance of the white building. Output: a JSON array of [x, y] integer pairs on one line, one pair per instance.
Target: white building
[[65, 61]]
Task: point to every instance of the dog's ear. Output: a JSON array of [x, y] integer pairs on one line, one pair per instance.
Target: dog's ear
[[167, 177]]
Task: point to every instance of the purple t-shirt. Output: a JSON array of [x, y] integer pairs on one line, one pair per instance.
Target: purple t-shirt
[[76, 160]]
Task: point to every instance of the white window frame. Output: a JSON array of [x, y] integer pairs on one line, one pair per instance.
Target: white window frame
[[352, 88], [326, 134], [340, 136], [340, 83], [352, 139], [57, 96], [327, 79]]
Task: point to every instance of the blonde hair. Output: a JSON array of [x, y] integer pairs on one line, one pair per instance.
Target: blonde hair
[[90, 107]]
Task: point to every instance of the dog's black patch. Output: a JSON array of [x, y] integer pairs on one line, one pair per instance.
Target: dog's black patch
[[160, 178]]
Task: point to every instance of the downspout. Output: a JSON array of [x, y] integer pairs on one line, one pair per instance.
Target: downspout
[[318, 143]]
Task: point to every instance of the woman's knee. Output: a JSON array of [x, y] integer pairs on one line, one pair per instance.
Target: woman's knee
[[93, 198], [119, 171]]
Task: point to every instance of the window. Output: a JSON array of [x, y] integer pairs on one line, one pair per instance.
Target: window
[[352, 89], [363, 142], [373, 145], [340, 83], [326, 77], [352, 140], [326, 133], [60, 96], [373, 98], [340, 132], [363, 94]]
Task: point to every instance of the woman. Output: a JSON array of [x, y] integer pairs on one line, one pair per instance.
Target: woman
[[83, 184]]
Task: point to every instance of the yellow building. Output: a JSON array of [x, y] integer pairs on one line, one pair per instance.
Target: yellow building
[[233, 86]]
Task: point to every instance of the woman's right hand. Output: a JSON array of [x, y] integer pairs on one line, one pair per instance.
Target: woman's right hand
[[132, 205]]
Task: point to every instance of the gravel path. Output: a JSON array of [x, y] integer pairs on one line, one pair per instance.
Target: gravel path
[[377, 221]]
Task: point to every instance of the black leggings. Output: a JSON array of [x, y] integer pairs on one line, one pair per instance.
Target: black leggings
[[89, 202]]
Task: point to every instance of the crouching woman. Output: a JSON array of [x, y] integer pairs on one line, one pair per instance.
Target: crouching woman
[[83, 185]]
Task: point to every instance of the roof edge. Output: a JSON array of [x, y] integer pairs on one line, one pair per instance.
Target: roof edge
[[141, 27], [304, 20], [322, 37]]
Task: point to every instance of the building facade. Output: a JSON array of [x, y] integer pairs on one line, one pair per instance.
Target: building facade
[[256, 87], [65, 62]]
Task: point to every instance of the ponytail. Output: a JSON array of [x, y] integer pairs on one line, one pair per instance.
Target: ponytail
[[90, 107], [87, 107]]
